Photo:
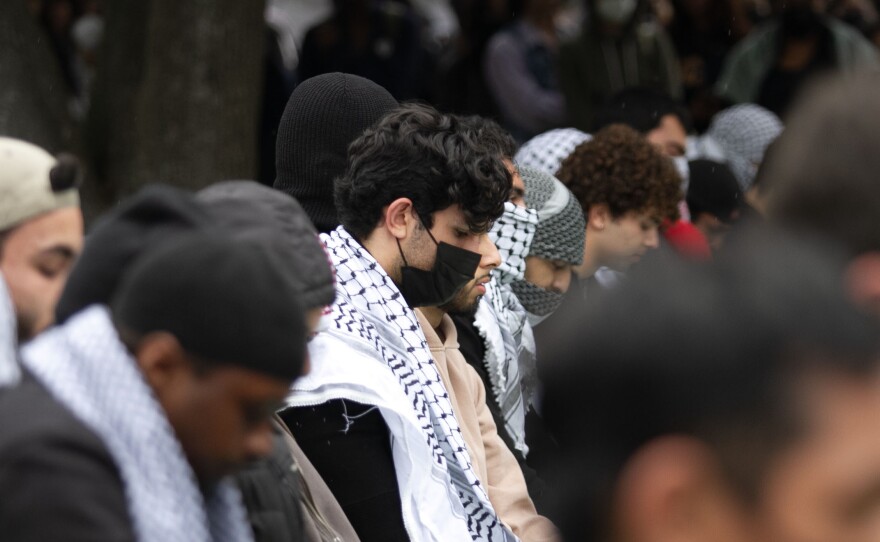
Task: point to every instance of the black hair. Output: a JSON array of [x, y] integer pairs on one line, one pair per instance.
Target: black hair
[[431, 158], [642, 109], [491, 135], [66, 174], [716, 353]]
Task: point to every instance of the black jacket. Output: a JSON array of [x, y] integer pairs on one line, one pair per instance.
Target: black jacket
[[57, 479]]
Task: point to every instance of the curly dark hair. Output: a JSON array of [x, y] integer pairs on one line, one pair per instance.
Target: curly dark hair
[[431, 158], [491, 135], [621, 169]]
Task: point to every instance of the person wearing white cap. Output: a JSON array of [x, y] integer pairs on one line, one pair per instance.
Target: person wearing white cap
[[41, 231]]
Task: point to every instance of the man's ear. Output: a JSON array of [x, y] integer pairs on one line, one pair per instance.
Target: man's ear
[[863, 281], [598, 217], [161, 359], [671, 489], [400, 217]]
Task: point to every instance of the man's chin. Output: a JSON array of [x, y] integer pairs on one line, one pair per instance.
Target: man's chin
[[462, 307]]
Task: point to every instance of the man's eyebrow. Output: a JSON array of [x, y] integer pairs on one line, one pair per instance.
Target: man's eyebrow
[[61, 250]]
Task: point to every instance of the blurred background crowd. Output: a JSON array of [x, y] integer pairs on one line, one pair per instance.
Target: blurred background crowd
[[532, 64]]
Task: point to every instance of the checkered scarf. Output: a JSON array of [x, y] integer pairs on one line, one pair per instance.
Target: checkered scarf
[[547, 151], [370, 306], [744, 132], [9, 371], [86, 368]]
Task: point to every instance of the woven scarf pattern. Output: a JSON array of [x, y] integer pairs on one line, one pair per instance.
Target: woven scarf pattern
[[10, 374], [87, 369], [370, 306]]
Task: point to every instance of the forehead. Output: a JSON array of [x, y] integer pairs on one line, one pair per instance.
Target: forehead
[[451, 217], [245, 385], [61, 227]]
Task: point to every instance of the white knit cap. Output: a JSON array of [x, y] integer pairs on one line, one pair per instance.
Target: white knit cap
[[26, 186]]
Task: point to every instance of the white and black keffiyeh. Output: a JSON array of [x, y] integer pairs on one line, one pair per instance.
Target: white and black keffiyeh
[[86, 368], [512, 234], [743, 132], [547, 151], [370, 306], [10, 374]]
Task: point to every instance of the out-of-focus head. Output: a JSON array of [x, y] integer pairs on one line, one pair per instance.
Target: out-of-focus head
[[547, 151], [714, 199], [139, 224], [249, 210], [324, 114], [556, 247], [823, 174], [226, 342], [735, 401], [744, 132], [41, 230], [662, 120], [626, 188]]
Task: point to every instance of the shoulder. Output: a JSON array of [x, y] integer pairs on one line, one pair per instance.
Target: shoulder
[[52, 466]]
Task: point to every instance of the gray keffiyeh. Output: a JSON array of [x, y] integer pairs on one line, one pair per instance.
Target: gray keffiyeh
[[743, 132], [370, 306], [87, 369], [10, 374]]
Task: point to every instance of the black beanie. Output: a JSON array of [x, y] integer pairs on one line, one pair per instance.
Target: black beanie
[[323, 116], [154, 215], [248, 210], [713, 189], [226, 301]]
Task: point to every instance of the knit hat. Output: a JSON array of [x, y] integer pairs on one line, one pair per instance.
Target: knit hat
[[547, 151], [149, 218], [250, 210], [323, 116], [561, 223], [226, 301], [714, 190], [32, 182], [743, 132]]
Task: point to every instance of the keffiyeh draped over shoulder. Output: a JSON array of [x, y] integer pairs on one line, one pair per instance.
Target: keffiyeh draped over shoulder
[[86, 368], [10, 373], [370, 306]]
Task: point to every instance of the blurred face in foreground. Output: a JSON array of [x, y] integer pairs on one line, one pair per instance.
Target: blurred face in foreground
[[821, 485]]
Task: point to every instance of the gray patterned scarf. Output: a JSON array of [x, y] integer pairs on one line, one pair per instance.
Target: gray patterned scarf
[[87, 369], [10, 374]]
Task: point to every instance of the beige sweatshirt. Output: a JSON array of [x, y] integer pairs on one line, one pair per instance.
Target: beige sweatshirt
[[493, 462]]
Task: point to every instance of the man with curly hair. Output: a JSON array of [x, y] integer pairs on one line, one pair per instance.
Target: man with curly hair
[[626, 188], [392, 416]]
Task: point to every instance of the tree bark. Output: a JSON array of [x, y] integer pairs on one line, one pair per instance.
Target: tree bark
[[33, 97], [178, 93]]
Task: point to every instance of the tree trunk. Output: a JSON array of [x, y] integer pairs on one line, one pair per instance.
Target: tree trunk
[[33, 97], [178, 93]]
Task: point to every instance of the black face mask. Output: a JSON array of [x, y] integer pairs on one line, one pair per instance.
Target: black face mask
[[453, 268]]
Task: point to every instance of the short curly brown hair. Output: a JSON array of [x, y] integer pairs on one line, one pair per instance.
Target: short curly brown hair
[[621, 169]]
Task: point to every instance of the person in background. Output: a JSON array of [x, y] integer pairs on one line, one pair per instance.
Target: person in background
[[377, 40], [520, 70], [714, 199], [665, 124], [619, 47], [547, 151], [772, 64]]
